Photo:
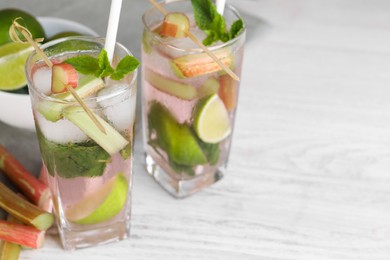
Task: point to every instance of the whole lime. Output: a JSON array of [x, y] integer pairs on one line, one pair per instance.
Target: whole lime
[[30, 22], [63, 35]]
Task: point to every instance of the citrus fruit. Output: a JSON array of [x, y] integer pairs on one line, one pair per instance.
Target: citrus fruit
[[63, 35], [176, 139], [71, 46], [102, 205], [211, 122], [13, 57], [30, 22]]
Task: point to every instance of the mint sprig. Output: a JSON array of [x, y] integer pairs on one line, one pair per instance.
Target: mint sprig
[[105, 68], [213, 24], [101, 67]]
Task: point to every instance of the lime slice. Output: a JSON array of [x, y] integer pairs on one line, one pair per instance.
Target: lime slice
[[176, 139], [13, 57], [102, 205], [212, 123]]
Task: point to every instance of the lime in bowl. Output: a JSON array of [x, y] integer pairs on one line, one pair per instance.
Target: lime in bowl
[[15, 105]]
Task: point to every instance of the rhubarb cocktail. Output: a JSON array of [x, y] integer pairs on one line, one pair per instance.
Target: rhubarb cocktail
[[188, 100], [87, 145]]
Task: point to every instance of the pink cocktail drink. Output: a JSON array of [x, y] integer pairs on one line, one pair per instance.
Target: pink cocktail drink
[[188, 101], [89, 167]]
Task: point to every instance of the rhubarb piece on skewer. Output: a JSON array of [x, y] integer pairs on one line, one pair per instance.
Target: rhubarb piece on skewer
[[194, 65], [87, 86], [23, 210], [63, 75], [29, 185], [21, 234], [175, 25]]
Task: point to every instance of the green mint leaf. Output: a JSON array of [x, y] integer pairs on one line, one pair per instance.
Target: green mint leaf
[[236, 28], [84, 64], [73, 160], [126, 65], [105, 68], [218, 25], [101, 67], [212, 23], [211, 37], [204, 12]]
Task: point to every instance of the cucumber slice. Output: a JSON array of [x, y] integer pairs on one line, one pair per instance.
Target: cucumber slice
[[112, 142]]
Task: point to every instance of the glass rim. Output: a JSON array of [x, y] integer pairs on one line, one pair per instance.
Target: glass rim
[[118, 90], [191, 50]]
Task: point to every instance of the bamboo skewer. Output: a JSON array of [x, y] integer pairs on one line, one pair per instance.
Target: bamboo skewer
[[24, 31], [86, 109], [200, 44]]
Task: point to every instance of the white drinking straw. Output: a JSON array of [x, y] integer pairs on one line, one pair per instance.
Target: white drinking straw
[[221, 6], [112, 27]]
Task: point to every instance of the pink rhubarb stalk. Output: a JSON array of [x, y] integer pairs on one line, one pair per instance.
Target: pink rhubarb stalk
[[29, 185], [21, 234], [23, 210], [9, 250]]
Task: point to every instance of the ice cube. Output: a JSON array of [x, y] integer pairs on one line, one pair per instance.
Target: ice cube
[[119, 109], [42, 79], [63, 131]]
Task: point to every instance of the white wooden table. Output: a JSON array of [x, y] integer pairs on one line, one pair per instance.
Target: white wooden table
[[309, 174]]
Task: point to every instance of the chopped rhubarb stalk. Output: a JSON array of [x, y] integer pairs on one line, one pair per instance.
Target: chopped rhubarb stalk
[[44, 178], [23, 210], [169, 86], [29, 185], [175, 25], [63, 75], [43, 175], [87, 86], [209, 87], [21, 234], [228, 92], [194, 65], [9, 250]]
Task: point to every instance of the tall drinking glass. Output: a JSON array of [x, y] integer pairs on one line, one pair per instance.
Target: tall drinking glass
[[89, 170], [188, 102]]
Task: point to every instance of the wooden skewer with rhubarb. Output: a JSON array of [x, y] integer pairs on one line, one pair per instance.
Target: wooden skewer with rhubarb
[[177, 25], [63, 74]]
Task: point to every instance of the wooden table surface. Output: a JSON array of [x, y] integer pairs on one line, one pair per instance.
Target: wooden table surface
[[309, 173]]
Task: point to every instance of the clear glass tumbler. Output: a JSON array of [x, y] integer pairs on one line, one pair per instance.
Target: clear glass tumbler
[[188, 102], [89, 171]]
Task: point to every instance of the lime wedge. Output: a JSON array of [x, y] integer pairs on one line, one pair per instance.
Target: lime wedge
[[13, 57], [212, 123], [102, 205], [176, 139]]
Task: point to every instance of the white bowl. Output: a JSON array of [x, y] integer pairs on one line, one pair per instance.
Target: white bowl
[[15, 109]]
